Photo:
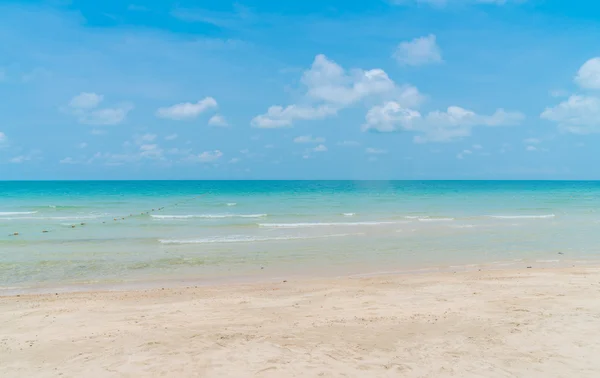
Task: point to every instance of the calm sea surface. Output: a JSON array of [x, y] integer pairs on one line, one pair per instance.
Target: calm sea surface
[[114, 232]]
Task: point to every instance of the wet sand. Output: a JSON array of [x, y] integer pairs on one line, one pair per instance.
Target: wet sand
[[502, 323]]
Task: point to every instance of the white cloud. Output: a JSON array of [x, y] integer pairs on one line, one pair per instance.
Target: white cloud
[[145, 138], [419, 51], [320, 148], [206, 156], [588, 75], [108, 116], [463, 154], [234, 160], [151, 151], [171, 137], [269, 146], [86, 100], [330, 88], [84, 108], [477, 147], [348, 143], [68, 160], [98, 132], [559, 93], [531, 148], [218, 120], [2, 137], [308, 139], [436, 126], [329, 82], [20, 159], [186, 110], [532, 141], [278, 116], [375, 151], [82, 145], [578, 114]]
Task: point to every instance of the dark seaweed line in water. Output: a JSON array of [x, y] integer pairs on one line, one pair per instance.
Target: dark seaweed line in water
[[125, 217]]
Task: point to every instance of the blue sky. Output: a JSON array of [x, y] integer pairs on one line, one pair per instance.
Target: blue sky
[[390, 89]]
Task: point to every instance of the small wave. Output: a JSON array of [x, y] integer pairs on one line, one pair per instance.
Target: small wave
[[463, 226], [246, 239], [231, 203], [435, 219], [52, 218], [322, 224], [348, 214], [209, 216], [4, 213], [544, 216]]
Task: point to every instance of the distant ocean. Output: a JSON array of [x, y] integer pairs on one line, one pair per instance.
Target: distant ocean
[[57, 233]]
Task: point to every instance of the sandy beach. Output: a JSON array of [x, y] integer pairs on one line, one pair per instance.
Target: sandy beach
[[521, 323]]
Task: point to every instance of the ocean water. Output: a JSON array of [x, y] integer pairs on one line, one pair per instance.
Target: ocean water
[[118, 232]]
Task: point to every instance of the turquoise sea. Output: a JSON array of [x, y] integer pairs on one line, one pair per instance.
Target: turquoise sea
[[62, 233]]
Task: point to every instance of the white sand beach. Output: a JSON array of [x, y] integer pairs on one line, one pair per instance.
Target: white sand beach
[[517, 323]]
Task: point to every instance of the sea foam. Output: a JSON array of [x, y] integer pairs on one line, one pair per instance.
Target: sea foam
[[323, 224], [247, 239], [208, 216]]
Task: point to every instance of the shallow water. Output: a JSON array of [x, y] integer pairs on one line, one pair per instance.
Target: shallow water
[[127, 231]]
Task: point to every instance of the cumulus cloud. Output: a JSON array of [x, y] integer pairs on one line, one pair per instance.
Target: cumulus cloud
[[375, 151], [308, 139], [348, 143], [588, 75], [320, 148], [186, 110], [436, 126], [578, 114], [86, 100], [419, 51], [532, 141], [171, 137], [145, 138], [330, 88], [68, 160], [278, 116], [2, 137], [464, 153], [84, 107], [206, 157], [218, 121]]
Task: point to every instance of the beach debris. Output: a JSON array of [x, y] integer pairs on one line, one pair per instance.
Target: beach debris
[[529, 267], [114, 219], [44, 231], [72, 226], [284, 281], [82, 223], [15, 234], [560, 253], [262, 267]]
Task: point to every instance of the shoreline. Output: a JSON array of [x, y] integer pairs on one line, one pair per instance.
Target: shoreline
[[181, 282], [523, 322]]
